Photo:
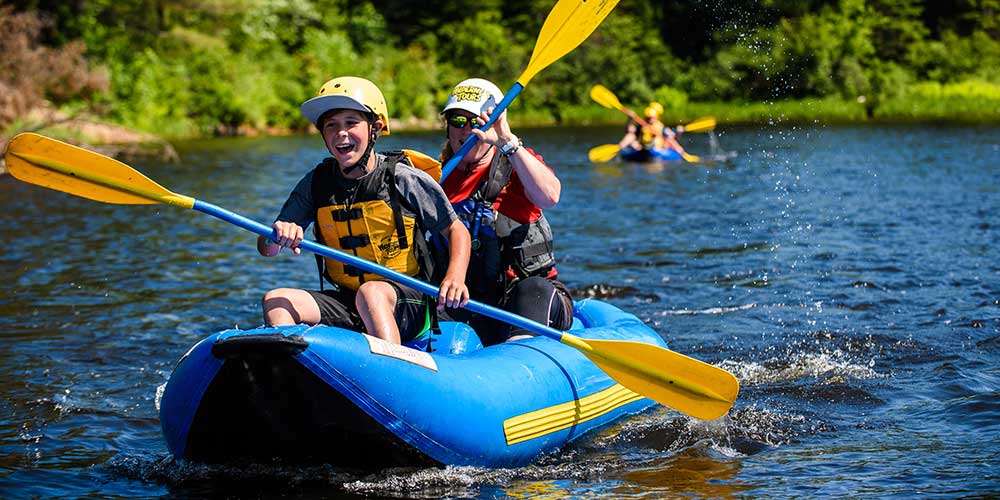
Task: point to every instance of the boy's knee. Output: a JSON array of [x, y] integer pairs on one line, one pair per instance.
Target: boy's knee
[[274, 298], [271, 295], [278, 308], [373, 292], [279, 297]]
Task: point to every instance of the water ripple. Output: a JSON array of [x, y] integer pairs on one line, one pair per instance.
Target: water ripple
[[846, 275]]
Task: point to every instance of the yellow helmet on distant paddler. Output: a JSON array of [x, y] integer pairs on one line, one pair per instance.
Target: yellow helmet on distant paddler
[[654, 109], [347, 92]]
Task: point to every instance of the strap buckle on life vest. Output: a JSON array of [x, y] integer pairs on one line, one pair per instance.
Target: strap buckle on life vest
[[534, 249], [346, 214], [356, 241]]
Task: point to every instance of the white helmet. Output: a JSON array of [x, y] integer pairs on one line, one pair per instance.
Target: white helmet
[[474, 95]]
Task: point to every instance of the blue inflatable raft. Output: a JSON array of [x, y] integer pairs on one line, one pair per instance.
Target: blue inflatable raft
[[327, 395], [648, 155]]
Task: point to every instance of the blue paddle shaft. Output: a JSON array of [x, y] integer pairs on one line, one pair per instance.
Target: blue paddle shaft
[[473, 139], [371, 267]]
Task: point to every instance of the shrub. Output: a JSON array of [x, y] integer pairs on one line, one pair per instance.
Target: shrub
[[30, 73]]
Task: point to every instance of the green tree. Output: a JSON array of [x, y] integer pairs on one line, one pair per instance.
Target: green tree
[[190, 67]]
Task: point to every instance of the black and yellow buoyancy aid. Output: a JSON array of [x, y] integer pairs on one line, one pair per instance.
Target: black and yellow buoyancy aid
[[648, 136], [366, 218]]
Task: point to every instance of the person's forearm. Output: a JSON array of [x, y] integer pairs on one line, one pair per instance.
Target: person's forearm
[[540, 184], [459, 250]]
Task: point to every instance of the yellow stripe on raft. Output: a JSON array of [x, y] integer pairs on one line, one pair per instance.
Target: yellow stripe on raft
[[555, 418]]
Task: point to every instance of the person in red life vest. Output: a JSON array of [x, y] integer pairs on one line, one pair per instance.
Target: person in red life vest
[[499, 190], [374, 205]]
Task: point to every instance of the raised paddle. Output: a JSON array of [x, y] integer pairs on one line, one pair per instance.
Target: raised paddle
[[569, 23], [608, 99], [685, 384]]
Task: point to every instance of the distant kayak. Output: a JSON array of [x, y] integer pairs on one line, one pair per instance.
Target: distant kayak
[[670, 155], [647, 155], [327, 395]]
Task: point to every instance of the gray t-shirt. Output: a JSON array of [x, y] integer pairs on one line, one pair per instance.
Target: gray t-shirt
[[421, 192]]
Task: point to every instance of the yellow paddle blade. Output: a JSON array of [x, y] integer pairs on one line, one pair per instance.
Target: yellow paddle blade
[[608, 99], [604, 97], [603, 153], [566, 27], [700, 125], [685, 384], [691, 158], [46, 162]]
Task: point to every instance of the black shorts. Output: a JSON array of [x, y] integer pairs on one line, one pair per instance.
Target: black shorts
[[337, 308]]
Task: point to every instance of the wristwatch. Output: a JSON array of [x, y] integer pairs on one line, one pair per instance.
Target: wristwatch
[[511, 147]]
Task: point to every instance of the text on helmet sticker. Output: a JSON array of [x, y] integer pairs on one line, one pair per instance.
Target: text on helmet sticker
[[469, 93]]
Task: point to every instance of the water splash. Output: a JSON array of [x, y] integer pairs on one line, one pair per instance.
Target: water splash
[[835, 365]]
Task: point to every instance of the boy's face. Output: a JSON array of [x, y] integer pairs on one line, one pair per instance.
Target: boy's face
[[346, 133]]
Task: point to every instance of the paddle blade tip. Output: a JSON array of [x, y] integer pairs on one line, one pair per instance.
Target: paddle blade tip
[[672, 379], [603, 153]]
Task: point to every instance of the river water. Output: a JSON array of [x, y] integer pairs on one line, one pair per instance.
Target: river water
[[849, 277]]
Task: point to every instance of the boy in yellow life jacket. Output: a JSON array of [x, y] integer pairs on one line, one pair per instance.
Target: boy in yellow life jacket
[[374, 205]]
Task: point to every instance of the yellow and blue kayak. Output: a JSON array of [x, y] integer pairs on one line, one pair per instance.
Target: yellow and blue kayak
[[648, 155], [322, 394]]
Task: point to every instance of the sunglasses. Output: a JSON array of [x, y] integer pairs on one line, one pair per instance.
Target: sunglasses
[[460, 121]]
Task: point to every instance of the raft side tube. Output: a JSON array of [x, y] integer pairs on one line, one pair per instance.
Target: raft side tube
[[324, 394]]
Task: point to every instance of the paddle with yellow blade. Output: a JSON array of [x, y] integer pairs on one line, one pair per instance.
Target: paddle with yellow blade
[[608, 99], [686, 384], [701, 125], [569, 23], [603, 153]]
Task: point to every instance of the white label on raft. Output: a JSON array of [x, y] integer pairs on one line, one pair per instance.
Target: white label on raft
[[420, 358]]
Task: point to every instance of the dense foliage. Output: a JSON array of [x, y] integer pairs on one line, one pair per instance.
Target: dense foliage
[[30, 73], [188, 67]]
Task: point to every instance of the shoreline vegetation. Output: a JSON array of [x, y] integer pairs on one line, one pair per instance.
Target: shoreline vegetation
[[127, 79], [935, 105], [119, 141]]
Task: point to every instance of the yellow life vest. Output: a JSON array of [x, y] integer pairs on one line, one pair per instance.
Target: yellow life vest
[[649, 136], [646, 136], [423, 162], [370, 222]]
